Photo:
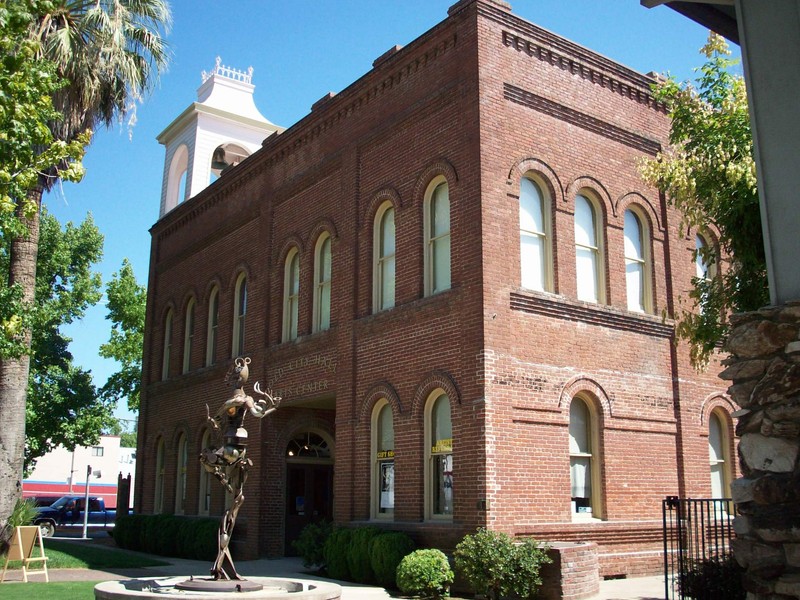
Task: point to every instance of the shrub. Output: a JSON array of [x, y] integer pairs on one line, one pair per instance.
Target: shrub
[[386, 551], [358, 554], [311, 543], [718, 578], [335, 553], [425, 573], [168, 535], [496, 566]]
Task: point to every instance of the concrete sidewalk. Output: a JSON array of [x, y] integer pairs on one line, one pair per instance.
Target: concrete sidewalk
[[639, 588]]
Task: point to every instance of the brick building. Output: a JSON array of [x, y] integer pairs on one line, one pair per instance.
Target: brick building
[[455, 278]]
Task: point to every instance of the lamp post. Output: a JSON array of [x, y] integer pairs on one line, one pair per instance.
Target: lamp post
[[86, 502]]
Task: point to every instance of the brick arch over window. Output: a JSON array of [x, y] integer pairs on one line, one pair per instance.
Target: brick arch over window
[[588, 386], [595, 189], [191, 294], [380, 390], [715, 400], [241, 269], [387, 194], [293, 241], [436, 380], [322, 226], [634, 198], [215, 281], [546, 174], [439, 168]]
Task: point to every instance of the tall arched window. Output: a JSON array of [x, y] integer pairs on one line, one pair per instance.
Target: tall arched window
[[188, 336], [583, 460], [637, 268], [439, 457], [384, 258], [180, 481], [204, 489], [239, 316], [534, 244], [322, 283], [719, 455], [291, 295], [588, 256], [158, 496], [437, 238], [383, 461], [166, 355], [212, 328]]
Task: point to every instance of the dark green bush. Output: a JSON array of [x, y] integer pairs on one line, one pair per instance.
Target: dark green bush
[[496, 566], [358, 557], [425, 573], [311, 543], [205, 538], [168, 535], [386, 551], [718, 578], [335, 552]]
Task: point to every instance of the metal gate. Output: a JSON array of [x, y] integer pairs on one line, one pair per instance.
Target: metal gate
[[694, 530]]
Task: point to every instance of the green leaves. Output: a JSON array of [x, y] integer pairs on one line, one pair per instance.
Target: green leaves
[[709, 175]]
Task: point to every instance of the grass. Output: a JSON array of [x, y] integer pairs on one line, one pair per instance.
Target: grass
[[62, 590], [86, 555]]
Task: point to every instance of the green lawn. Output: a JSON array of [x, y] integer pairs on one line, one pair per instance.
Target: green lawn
[[62, 590], [87, 555]]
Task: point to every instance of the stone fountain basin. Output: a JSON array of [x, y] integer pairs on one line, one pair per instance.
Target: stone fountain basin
[[273, 588]]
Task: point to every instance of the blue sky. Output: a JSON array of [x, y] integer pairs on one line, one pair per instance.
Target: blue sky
[[300, 50]]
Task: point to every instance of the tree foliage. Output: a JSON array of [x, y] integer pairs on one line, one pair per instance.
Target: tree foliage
[[709, 174], [126, 310]]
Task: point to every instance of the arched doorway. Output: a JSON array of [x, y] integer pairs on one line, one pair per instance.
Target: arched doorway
[[309, 483]]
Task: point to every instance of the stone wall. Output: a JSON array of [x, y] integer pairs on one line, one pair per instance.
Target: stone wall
[[764, 368]]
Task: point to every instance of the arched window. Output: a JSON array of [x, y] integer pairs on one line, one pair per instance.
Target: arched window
[[719, 454], [212, 328], [437, 237], [383, 258], [158, 496], [438, 457], [204, 500], [239, 316], [584, 460], [383, 461], [637, 267], [291, 295], [534, 243], [322, 283], [167, 351], [180, 481], [188, 336], [588, 256]]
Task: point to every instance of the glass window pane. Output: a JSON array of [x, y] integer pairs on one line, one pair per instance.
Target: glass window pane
[[387, 283], [715, 450], [440, 418], [634, 280], [580, 476], [442, 467], [387, 233], [440, 212], [579, 428], [385, 429], [633, 236], [531, 216], [586, 268], [325, 306], [325, 259], [532, 262], [584, 223], [701, 267], [441, 264], [294, 277]]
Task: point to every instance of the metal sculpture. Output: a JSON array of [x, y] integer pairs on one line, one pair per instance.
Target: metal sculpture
[[228, 462]]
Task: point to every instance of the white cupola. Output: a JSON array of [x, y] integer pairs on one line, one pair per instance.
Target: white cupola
[[220, 130]]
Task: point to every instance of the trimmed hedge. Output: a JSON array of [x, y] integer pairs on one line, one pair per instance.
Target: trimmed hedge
[[168, 535], [336, 549], [358, 554], [386, 551]]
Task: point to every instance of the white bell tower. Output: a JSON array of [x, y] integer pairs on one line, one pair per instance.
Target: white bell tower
[[218, 131]]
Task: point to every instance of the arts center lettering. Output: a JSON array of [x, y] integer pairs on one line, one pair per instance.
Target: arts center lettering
[[303, 388], [442, 446]]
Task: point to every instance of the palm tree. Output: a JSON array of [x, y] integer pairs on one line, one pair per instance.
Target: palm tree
[[110, 53]]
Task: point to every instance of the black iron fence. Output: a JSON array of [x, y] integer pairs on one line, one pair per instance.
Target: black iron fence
[[695, 530]]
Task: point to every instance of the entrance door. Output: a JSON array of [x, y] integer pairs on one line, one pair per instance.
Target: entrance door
[[308, 498]]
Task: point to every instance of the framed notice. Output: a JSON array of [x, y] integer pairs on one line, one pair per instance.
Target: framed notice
[[387, 485]]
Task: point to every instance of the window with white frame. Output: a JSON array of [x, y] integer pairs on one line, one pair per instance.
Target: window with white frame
[[204, 500], [384, 258], [438, 457], [637, 268], [588, 256], [239, 316], [212, 327], [291, 295], [188, 336], [158, 496], [97, 451], [180, 483], [583, 460], [322, 283], [719, 455], [383, 460], [535, 253], [167, 350], [437, 237]]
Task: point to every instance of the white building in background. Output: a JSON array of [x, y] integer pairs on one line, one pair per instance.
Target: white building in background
[[62, 472]]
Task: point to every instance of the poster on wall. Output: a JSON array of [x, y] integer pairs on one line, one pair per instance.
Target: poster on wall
[[387, 485]]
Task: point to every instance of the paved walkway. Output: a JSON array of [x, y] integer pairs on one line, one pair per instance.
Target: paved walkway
[[639, 588]]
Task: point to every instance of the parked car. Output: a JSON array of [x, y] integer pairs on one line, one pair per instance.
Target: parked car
[[68, 511]]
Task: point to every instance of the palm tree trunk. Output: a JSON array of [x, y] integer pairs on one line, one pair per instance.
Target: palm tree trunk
[[14, 372]]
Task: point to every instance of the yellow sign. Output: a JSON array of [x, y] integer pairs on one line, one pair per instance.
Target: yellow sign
[[442, 446], [385, 454]]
